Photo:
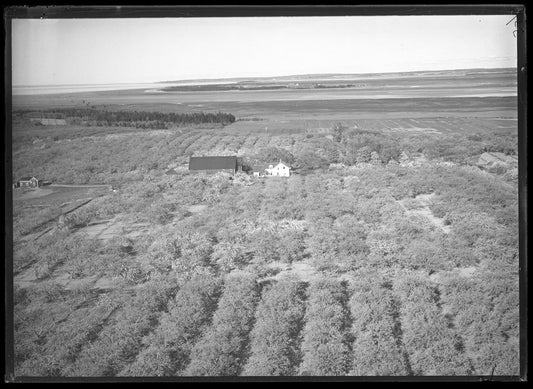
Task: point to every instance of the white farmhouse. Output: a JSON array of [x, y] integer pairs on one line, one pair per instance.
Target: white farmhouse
[[280, 169]]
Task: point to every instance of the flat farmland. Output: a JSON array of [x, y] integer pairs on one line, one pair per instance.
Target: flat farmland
[[53, 196], [290, 117], [440, 125]]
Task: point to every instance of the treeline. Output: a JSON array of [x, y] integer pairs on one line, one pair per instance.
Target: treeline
[[143, 119], [254, 86], [221, 87]]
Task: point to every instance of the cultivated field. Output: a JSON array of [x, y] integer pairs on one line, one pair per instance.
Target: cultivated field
[[391, 250]]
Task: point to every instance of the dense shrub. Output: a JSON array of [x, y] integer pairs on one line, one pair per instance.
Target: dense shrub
[[434, 348], [378, 348], [167, 349], [485, 309], [180, 249], [67, 338], [274, 338], [119, 342], [221, 349], [324, 347]]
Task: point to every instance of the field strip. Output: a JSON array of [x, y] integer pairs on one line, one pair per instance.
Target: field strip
[[482, 122], [466, 124], [189, 141], [398, 123], [205, 143], [390, 123], [444, 124]]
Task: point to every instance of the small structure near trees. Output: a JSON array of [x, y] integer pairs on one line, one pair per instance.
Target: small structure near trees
[[28, 182]]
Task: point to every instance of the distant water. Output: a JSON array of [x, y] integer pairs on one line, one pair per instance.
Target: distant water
[[55, 89], [58, 89]]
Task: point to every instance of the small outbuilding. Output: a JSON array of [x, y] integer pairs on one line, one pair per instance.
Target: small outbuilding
[[29, 182]]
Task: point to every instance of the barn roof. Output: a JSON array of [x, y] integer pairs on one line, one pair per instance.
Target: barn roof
[[213, 163]]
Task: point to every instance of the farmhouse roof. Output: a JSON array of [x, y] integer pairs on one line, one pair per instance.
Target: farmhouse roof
[[213, 163], [283, 163], [27, 178]]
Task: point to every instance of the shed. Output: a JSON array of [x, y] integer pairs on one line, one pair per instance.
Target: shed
[[29, 182]]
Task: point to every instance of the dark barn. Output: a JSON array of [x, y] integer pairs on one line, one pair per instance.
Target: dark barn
[[214, 164]]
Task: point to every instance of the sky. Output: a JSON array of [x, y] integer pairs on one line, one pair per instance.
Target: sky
[[102, 51]]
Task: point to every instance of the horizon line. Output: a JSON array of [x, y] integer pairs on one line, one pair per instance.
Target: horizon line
[[262, 77]]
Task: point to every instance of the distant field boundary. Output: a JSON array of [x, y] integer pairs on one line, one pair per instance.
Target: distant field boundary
[[82, 186]]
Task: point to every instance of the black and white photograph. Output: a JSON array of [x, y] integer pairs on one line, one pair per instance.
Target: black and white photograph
[[262, 195]]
